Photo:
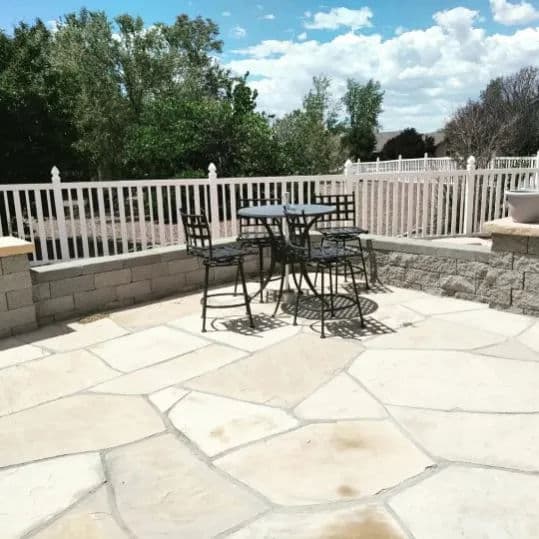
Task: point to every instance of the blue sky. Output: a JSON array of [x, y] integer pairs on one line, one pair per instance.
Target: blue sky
[[430, 56]]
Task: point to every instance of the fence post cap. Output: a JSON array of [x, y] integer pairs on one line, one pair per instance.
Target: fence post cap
[[471, 162], [348, 162], [212, 168], [55, 173]]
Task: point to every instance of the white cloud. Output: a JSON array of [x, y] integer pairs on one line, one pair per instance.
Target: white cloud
[[226, 14], [508, 13], [53, 25], [425, 73], [269, 17], [337, 17], [400, 30], [238, 32], [302, 36]]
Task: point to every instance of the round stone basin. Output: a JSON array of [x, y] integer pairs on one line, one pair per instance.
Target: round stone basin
[[523, 206]]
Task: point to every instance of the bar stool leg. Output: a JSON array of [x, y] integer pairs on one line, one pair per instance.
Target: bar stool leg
[[322, 305], [205, 295], [363, 263], [298, 294], [260, 271], [358, 302], [331, 304], [245, 294], [281, 289]]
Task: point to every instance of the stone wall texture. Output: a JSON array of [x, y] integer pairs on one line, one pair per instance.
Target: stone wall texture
[[17, 309], [70, 289], [506, 277]]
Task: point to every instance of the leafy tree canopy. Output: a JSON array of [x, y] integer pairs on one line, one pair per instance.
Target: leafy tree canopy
[[409, 144]]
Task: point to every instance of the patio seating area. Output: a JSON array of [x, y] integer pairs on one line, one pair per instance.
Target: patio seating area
[[133, 423]]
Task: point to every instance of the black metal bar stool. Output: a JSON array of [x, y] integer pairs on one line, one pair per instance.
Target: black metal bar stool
[[199, 244], [325, 257], [255, 236], [340, 228]]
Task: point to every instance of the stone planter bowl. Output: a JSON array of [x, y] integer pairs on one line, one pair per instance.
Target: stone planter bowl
[[523, 206]]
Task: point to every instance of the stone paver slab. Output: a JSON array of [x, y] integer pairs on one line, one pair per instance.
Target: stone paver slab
[[510, 349], [147, 347], [430, 304], [156, 314], [530, 338], [75, 335], [216, 424], [34, 493], [340, 398], [281, 375], [89, 519], [276, 331], [499, 322], [436, 334], [369, 522], [13, 351], [324, 463], [446, 380], [28, 384], [75, 424], [166, 398], [163, 490], [391, 295], [503, 440], [171, 372], [471, 503]]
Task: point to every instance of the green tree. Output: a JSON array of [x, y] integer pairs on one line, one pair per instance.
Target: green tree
[[35, 130], [363, 104], [308, 139], [86, 55], [409, 144], [504, 120]]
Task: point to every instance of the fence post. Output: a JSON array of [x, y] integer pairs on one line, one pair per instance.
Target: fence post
[[377, 164], [425, 160], [60, 215], [400, 163], [214, 201], [469, 195], [347, 176], [537, 171]]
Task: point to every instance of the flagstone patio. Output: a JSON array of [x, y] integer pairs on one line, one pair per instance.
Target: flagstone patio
[[134, 424]]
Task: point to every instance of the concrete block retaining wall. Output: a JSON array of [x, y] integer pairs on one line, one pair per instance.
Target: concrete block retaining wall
[[66, 290], [17, 309], [506, 277]]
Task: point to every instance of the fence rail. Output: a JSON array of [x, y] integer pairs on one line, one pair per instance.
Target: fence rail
[[425, 163], [91, 219], [531, 161]]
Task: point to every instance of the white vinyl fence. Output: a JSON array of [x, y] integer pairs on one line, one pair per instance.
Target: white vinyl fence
[[425, 163], [531, 161], [90, 219]]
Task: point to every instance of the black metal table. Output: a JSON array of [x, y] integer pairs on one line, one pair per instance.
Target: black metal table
[[271, 212]]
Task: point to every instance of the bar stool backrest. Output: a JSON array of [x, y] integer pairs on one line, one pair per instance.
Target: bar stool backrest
[[345, 213], [197, 234], [299, 239]]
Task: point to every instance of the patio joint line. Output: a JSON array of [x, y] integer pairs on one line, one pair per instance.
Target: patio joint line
[[201, 456], [398, 520], [45, 523], [113, 503]]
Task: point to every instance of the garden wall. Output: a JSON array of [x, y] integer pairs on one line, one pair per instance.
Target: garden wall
[[66, 290], [506, 277]]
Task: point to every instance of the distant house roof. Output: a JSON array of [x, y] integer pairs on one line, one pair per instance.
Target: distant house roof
[[384, 136]]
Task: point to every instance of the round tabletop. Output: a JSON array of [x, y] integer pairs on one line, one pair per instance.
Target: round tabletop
[[277, 210]]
